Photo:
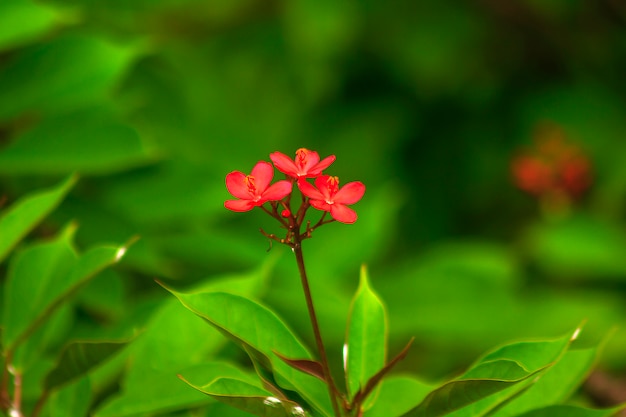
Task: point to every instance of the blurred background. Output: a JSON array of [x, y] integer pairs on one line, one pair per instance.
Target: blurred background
[[489, 134]]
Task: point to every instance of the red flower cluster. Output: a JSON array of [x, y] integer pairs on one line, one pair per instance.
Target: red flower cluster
[[553, 166], [255, 190]]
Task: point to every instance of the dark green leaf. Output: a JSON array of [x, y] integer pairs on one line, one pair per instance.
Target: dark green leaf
[[77, 359], [88, 141], [26, 213], [570, 411], [71, 400]]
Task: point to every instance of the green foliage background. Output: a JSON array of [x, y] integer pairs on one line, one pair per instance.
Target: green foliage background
[[153, 102]]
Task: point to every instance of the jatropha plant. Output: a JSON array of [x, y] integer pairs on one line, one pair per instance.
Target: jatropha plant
[[529, 379]]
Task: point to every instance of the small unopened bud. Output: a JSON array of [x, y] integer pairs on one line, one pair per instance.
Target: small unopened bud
[[285, 213]]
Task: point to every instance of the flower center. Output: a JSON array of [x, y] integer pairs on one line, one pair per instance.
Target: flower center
[[249, 181], [332, 184], [302, 155]]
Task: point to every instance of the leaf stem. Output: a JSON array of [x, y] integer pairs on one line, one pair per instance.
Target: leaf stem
[[332, 389]]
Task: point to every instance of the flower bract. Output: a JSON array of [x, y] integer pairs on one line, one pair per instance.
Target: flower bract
[[329, 197], [254, 190], [306, 164]]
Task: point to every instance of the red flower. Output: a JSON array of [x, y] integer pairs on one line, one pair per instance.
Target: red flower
[[307, 163], [328, 197], [254, 190]]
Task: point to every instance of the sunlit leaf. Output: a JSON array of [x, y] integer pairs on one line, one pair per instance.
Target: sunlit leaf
[[23, 20], [475, 393], [43, 276], [71, 400], [247, 322], [251, 398], [366, 339], [398, 394], [26, 213]]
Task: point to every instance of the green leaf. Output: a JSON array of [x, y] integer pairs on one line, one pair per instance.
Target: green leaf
[[23, 20], [398, 394], [71, 400], [42, 277], [555, 386], [250, 398], [473, 394], [77, 359], [570, 411], [249, 324], [166, 392], [366, 340], [88, 140], [26, 213], [45, 78]]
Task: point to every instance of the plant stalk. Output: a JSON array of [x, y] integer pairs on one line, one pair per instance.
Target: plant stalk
[[332, 389]]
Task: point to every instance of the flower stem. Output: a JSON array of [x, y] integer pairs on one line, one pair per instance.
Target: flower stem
[[332, 389]]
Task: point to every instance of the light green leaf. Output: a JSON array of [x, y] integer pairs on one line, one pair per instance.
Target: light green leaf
[[27, 212], [251, 398], [366, 340], [77, 359], [43, 276], [492, 379], [251, 325], [23, 20], [398, 394], [166, 392], [72, 400], [555, 386]]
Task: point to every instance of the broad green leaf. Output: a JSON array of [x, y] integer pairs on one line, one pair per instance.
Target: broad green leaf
[[555, 386], [45, 78], [250, 324], [22, 21], [482, 387], [398, 394], [162, 391], [77, 359], [251, 398], [71, 400], [26, 213], [42, 277], [88, 140], [31, 285], [176, 342], [570, 411], [366, 337]]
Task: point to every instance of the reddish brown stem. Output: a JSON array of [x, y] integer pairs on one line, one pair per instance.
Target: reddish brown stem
[[332, 389]]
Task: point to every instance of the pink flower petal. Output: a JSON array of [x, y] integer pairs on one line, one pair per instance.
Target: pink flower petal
[[311, 158], [239, 205], [320, 205], [284, 164], [342, 213], [277, 191], [350, 193], [322, 165], [321, 183], [236, 185], [309, 191], [263, 172]]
